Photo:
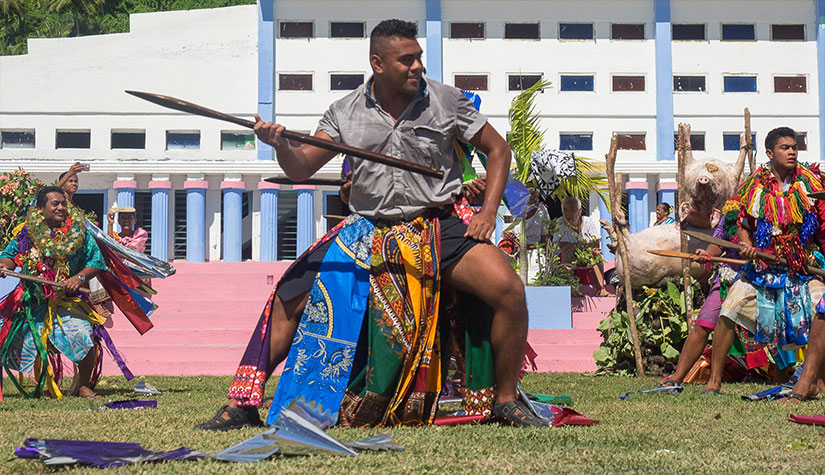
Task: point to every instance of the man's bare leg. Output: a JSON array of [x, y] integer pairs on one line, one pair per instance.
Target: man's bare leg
[[811, 372], [84, 374], [598, 269], [283, 323], [722, 342], [691, 351], [484, 272]]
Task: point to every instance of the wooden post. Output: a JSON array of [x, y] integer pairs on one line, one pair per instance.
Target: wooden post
[[681, 147], [619, 224], [749, 140]]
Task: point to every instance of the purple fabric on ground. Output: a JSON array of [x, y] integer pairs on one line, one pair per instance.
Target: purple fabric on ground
[[99, 454], [131, 404]]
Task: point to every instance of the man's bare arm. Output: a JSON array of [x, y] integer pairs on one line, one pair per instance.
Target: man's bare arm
[[489, 142], [299, 163]]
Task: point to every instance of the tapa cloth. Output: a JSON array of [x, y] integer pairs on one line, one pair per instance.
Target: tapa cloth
[[778, 312]]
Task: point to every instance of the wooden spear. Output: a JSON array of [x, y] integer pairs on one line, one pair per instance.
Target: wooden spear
[[192, 108], [682, 147], [39, 280], [749, 140], [619, 223]]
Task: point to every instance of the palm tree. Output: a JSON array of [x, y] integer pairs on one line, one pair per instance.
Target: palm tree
[[76, 6], [527, 137]]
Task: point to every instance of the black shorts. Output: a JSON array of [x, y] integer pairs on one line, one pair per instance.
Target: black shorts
[[302, 275]]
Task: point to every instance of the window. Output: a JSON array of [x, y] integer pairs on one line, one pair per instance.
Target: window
[[345, 82], [287, 224], [577, 83], [143, 205], [689, 84], [628, 83], [135, 139], [631, 141], [73, 139], [471, 82], [688, 32], [740, 84], [575, 31], [790, 84], [730, 141], [295, 82], [17, 138], [697, 141], [627, 31], [520, 82], [802, 141], [467, 30], [179, 233], [341, 29], [738, 32], [296, 29], [521, 31], [576, 141], [232, 140], [183, 140], [788, 32]]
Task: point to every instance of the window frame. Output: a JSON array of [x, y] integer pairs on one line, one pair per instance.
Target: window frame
[[580, 134], [644, 141], [754, 76], [340, 73], [238, 132], [737, 134], [563, 75], [182, 132], [33, 132], [690, 139], [536, 23], [804, 136], [644, 31], [613, 76], [486, 77], [592, 31], [722, 31], [282, 37], [704, 31], [311, 75], [363, 32], [704, 76], [483, 30]]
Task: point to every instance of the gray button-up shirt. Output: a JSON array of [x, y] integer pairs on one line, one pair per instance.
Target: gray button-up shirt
[[424, 133]]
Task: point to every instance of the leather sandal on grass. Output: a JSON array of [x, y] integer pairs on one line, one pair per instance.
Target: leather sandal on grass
[[237, 417], [517, 414]]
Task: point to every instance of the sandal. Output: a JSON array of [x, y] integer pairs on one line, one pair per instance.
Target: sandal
[[669, 383], [798, 397], [237, 417], [516, 413]]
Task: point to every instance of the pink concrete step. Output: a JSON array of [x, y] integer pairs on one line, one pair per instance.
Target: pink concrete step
[[177, 336], [566, 366], [593, 304], [587, 320], [565, 350]]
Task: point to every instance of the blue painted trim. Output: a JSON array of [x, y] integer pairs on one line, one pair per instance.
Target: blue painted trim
[[269, 225], [605, 214], [435, 52], [820, 68], [266, 70], [667, 196], [637, 207], [195, 225], [664, 82], [306, 220], [232, 224], [160, 223]]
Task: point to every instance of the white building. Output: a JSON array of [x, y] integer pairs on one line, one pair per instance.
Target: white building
[[637, 67]]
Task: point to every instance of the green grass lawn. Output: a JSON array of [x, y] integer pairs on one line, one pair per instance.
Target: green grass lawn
[[648, 433]]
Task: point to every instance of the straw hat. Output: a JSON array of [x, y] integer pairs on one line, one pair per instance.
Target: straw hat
[[123, 209]]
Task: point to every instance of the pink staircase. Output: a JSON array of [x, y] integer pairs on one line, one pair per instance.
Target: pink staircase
[[207, 312], [571, 350]]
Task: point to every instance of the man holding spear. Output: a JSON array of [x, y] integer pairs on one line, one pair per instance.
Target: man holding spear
[[378, 275], [778, 223]]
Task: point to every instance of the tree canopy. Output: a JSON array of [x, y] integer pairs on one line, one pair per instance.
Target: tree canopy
[[24, 19]]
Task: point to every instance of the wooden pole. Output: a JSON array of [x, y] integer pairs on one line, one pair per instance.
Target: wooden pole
[[619, 223], [749, 140], [682, 146], [39, 280]]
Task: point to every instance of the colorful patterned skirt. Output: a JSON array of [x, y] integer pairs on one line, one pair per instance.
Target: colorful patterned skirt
[[372, 346]]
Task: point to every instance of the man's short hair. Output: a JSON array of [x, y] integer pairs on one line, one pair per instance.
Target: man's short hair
[[568, 200], [392, 29], [777, 133], [42, 195]]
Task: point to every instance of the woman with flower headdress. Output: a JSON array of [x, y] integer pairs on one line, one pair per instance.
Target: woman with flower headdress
[[37, 319]]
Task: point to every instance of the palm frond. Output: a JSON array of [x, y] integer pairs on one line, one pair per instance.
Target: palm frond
[[526, 134]]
